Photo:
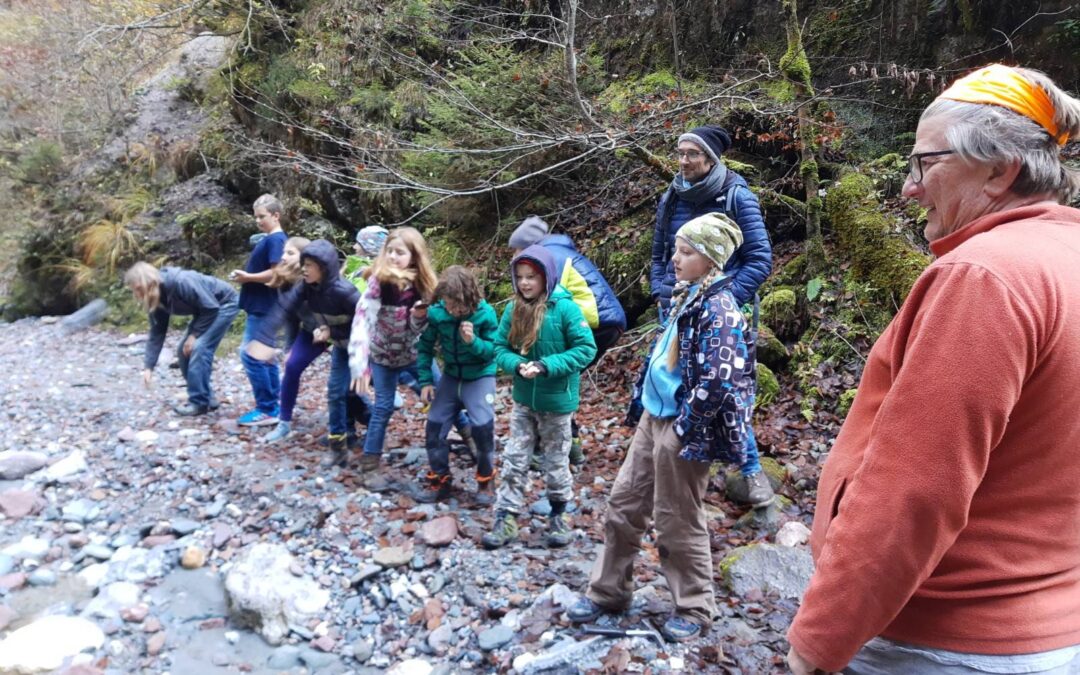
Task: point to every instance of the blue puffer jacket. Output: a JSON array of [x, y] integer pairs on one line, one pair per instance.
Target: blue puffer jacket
[[590, 289], [748, 267]]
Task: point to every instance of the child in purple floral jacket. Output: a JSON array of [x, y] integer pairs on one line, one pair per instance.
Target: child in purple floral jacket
[[390, 316], [692, 406]]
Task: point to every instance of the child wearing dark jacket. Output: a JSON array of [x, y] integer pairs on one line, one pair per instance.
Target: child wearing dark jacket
[[462, 325], [692, 406], [319, 311]]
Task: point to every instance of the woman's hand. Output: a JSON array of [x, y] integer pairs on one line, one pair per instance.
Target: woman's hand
[[321, 335], [362, 386], [529, 370], [799, 665], [239, 276], [189, 345], [427, 393], [466, 330], [147, 377], [419, 311]]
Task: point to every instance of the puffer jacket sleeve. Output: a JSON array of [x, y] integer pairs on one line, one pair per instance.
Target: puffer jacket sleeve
[[360, 334], [505, 356], [659, 249], [718, 368], [753, 260], [485, 331], [425, 354], [582, 345]]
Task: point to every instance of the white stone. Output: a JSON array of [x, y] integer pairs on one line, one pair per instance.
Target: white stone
[[113, 598], [146, 436], [264, 594], [94, 575], [411, 667], [232, 637], [44, 644], [793, 533], [398, 588], [677, 663], [28, 547], [68, 466], [419, 591]]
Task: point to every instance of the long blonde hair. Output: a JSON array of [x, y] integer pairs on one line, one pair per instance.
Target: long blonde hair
[[284, 275], [421, 273], [527, 317], [144, 280], [678, 300]]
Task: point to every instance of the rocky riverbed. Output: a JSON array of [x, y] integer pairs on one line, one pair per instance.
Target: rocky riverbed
[[133, 540]]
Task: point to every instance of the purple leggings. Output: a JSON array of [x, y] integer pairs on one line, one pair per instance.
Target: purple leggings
[[301, 355]]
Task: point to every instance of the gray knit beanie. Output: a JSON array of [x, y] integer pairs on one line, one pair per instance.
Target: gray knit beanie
[[530, 231]]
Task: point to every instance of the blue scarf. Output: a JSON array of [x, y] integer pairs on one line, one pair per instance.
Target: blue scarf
[[707, 188]]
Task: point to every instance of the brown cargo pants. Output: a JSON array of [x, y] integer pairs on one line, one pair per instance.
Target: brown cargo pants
[[654, 481]]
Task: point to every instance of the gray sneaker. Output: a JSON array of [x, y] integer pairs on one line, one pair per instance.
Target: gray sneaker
[[559, 532]]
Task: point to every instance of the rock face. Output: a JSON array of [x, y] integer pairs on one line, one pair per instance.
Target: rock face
[[768, 568], [263, 593], [44, 644]]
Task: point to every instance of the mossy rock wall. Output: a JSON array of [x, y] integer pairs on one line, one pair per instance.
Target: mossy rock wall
[[878, 256]]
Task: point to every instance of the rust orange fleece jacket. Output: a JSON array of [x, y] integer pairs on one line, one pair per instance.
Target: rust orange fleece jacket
[[948, 511]]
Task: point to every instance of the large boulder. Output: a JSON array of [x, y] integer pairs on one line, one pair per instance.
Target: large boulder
[[44, 644], [14, 464], [768, 568], [264, 595]]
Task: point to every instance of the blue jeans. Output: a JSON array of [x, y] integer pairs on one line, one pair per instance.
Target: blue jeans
[[337, 390], [263, 375], [384, 380], [198, 367], [752, 464], [881, 656]]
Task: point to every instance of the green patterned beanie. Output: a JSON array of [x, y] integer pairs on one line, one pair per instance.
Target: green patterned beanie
[[713, 235]]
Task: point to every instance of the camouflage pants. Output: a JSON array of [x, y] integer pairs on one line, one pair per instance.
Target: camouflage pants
[[553, 432]]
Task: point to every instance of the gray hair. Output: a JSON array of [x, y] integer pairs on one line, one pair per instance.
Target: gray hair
[[990, 133], [270, 203]]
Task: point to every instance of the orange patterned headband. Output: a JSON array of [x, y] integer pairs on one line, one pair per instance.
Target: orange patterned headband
[[1001, 85]]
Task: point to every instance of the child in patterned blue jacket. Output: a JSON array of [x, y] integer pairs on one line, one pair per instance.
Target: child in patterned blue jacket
[[692, 406]]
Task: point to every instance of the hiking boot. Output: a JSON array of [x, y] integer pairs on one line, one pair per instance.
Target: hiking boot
[[282, 431], [190, 409], [584, 610], [485, 490], [339, 452], [503, 531], [577, 457], [559, 532], [758, 490], [680, 629], [536, 459], [368, 463], [256, 418], [437, 489]]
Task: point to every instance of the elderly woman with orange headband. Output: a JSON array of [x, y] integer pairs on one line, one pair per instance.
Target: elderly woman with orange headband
[[947, 530]]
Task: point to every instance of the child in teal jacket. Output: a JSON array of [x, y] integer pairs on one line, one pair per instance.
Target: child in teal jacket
[[545, 341]]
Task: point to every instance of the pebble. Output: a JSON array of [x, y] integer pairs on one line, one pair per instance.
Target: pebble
[[193, 558], [155, 644], [495, 637], [362, 650], [42, 577], [440, 531], [392, 556], [99, 551], [285, 657]]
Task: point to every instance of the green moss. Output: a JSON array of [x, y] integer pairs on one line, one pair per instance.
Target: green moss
[[843, 405], [887, 262], [767, 386], [779, 308], [770, 351], [312, 92], [745, 170]]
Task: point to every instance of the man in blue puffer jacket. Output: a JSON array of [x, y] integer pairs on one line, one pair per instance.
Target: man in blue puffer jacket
[[590, 290], [704, 185]]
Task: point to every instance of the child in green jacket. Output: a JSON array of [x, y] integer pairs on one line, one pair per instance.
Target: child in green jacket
[[463, 326], [545, 341]]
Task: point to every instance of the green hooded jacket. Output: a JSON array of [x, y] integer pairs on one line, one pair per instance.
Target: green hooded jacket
[[565, 346], [461, 361]]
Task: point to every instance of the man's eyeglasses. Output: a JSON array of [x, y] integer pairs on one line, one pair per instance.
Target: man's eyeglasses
[[689, 154], [915, 165]]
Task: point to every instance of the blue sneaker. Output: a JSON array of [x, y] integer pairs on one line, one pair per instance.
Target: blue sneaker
[[257, 418], [584, 610], [680, 629]]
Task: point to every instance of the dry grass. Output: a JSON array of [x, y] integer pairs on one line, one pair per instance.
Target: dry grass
[[106, 245]]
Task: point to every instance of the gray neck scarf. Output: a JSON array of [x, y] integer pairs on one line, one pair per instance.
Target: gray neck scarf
[[706, 188]]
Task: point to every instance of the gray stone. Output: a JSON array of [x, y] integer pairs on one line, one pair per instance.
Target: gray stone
[[541, 507], [315, 659], [113, 598], [90, 314], [81, 511], [362, 650], [42, 577], [495, 637], [191, 595], [364, 573], [768, 568], [28, 547], [69, 466], [439, 639], [98, 551], [285, 657], [14, 464], [392, 556], [184, 526], [7, 563]]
